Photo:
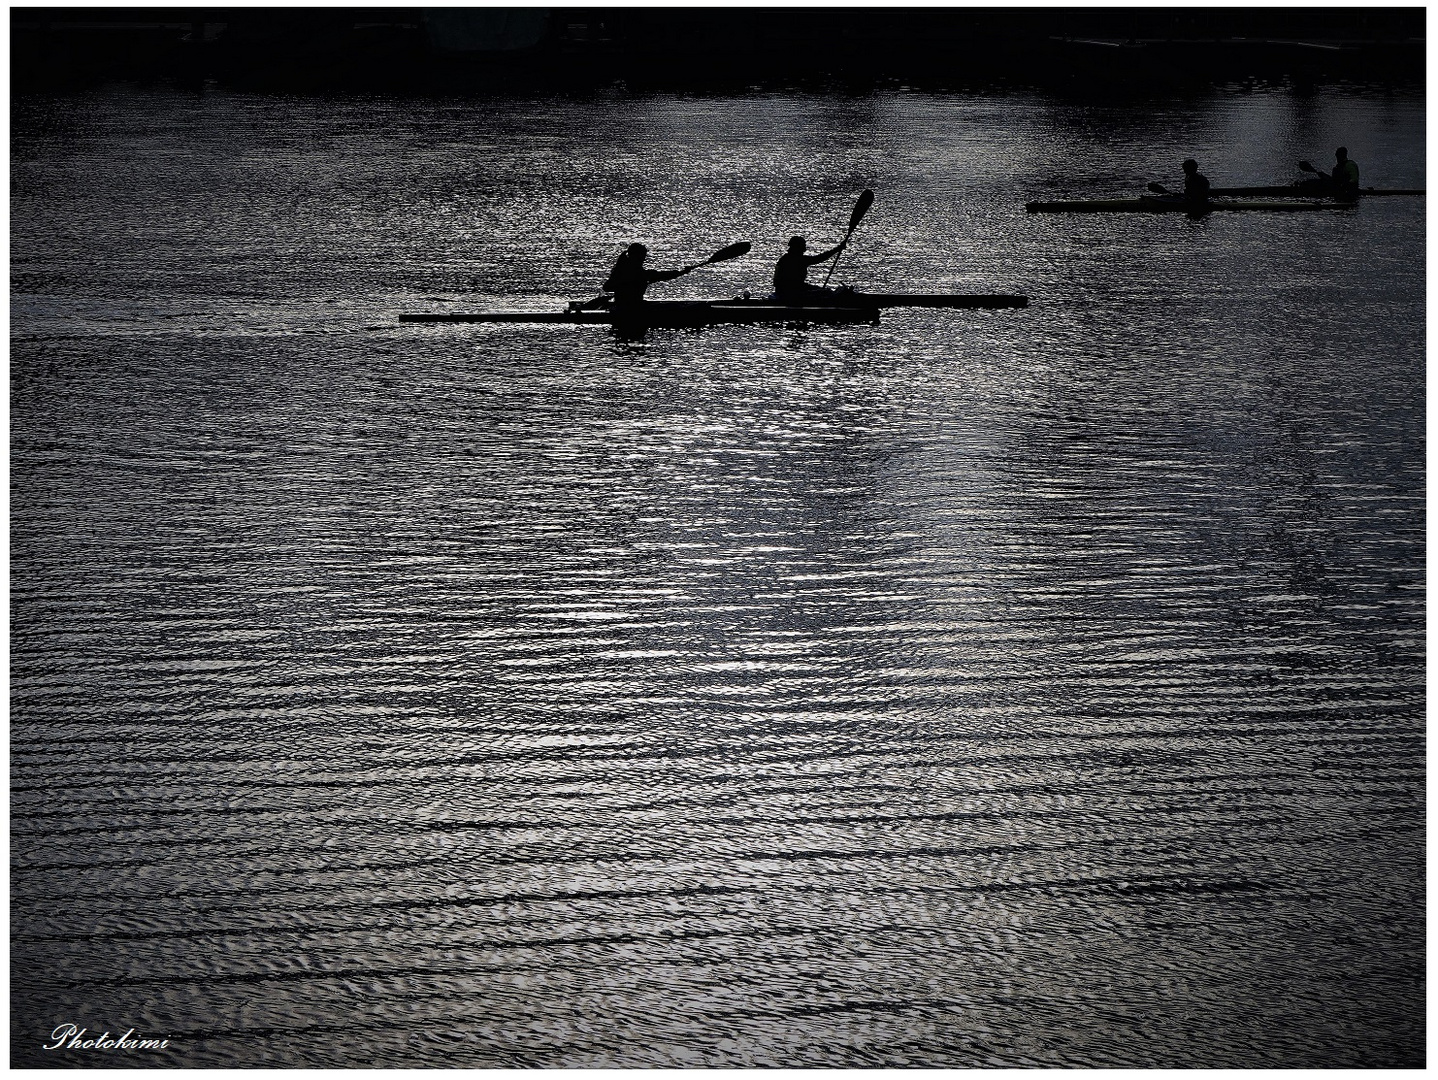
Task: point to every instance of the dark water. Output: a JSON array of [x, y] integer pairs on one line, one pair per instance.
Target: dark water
[[1023, 688]]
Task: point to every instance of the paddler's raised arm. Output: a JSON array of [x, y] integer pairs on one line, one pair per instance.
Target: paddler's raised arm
[[840, 246]]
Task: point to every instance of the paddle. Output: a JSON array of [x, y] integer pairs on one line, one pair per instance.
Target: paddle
[[1157, 188], [1308, 167], [724, 254], [866, 200]]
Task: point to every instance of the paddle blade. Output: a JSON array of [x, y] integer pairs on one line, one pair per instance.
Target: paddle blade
[[861, 208], [1157, 188], [733, 251], [1307, 166]]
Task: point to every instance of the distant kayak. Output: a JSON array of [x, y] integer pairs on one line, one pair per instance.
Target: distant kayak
[[1152, 204], [1310, 189]]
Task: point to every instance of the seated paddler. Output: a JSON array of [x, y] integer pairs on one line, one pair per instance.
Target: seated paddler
[[791, 273], [630, 277], [1344, 177], [1195, 184]]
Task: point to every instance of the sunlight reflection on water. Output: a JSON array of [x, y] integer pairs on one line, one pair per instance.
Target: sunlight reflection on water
[[1035, 687]]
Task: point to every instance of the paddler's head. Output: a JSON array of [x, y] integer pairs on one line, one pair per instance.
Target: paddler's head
[[797, 243], [637, 252], [1341, 153], [1190, 166]]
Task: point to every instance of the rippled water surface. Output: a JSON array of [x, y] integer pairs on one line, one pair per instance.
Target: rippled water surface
[[1037, 687]]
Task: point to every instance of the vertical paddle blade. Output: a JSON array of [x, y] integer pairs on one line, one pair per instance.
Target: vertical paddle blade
[[866, 200], [861, 208]]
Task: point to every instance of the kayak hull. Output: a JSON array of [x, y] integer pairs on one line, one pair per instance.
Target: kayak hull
[[674, 314], [852, 307], [1303, 190], [1144, 205]]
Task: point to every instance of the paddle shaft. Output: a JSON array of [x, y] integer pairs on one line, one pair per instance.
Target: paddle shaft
[[836, 260], [724, 254]]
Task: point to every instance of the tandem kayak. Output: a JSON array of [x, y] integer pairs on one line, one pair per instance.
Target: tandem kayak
[[849, 307], [677, 313], [1148, 204]]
